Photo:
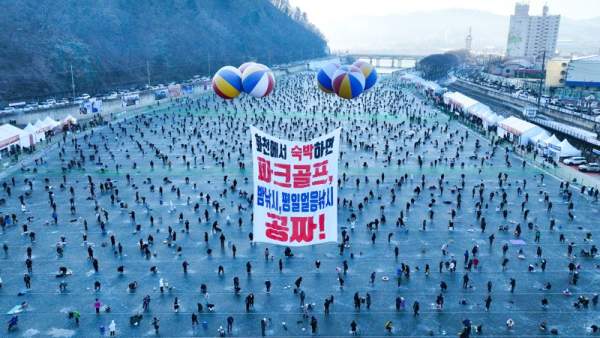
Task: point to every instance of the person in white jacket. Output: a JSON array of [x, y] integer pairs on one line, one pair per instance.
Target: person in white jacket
[[112, 328]]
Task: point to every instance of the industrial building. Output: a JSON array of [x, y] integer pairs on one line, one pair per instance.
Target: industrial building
[[584, 73]]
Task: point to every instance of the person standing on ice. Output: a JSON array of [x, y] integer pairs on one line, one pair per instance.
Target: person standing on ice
[[155, 325], [97, 305], [112, 328]]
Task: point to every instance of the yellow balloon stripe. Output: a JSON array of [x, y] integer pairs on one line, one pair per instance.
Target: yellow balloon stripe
[[226, 88], [346, 88]]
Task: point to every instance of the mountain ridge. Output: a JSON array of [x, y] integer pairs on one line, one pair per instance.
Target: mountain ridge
[[113, 43]]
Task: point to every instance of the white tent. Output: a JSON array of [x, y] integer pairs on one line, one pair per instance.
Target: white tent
[[10, 136], [480, 110], [46, 125], [539, 138], [492, 120], [516, 129], [48, 121], [551, 141], [40, 126], [36, 132], [562, 149], [421, 83], [69, 120], [28, 137], [458, 100], [567, 150]]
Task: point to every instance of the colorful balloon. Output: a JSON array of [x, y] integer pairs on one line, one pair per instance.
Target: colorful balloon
[[325, 76], [227, 82], [368, 71], [245, 65], [348, 82], [258, 80]]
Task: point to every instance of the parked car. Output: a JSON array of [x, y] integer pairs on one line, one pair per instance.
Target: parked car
[[112, 96], [7, 110], [590, 168], [50, 102], [576, 160]]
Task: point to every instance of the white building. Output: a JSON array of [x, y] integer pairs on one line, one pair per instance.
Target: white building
[[530, 36]]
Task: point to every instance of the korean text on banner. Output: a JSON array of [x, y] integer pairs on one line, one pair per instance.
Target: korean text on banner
[[295, 189]]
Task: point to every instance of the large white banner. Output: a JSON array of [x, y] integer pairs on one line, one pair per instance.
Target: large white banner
[[295, 189]]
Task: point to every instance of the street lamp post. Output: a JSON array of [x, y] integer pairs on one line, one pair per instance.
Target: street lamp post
[[72, 82], [539, 98]]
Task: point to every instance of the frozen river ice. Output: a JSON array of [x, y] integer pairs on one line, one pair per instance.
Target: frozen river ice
[[389, 114]]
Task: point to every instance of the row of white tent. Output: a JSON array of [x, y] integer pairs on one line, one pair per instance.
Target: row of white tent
[[421, 83], [513, 128], [554, 147], [27, 137], [525, 133], [460, 102]]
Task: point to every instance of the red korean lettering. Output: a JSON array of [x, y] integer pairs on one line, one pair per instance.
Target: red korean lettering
[[285, 173], [322, 226], [301, 175], [307, 150], [303, 229], [297, 152], [277, 228], [320, 173], [264, 170]]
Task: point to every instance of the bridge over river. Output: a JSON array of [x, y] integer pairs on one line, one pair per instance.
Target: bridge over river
[[387, 60]]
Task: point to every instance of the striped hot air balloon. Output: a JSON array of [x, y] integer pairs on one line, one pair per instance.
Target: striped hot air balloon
[[258, 80], [369, 72], [227, 82], [245, 65], [325, 76], [348, 82]]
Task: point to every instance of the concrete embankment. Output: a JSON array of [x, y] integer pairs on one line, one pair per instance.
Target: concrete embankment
[[59, 113]]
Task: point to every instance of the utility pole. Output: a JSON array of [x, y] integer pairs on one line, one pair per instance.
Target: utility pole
[[72, 82], [208, 62], [539, 98], [148, 72]]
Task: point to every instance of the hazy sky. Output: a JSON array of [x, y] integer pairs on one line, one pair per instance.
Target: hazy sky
[[321, 11]]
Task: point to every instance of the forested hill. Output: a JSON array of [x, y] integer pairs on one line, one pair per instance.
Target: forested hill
[[109, 43]]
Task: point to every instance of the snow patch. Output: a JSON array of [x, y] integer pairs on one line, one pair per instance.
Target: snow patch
[[60, 333], [31, 333]]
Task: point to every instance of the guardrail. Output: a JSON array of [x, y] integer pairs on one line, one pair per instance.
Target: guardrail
[[530, 101], [565, 130], [581, 120]]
